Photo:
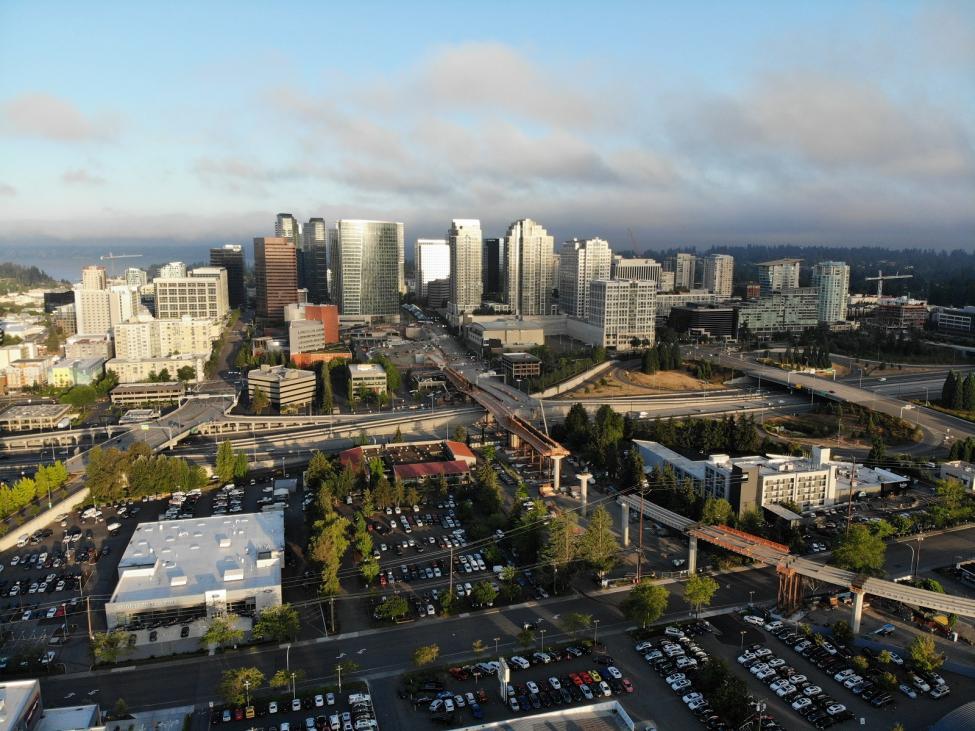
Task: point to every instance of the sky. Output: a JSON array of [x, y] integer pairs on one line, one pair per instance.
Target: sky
[[652, 124]]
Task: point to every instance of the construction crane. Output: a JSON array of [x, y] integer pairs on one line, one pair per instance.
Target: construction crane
[[880, 278], [110, 257]]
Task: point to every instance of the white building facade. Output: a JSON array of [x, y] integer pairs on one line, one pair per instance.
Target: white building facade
[[580, 264], [431, 261], [624, 310], [832, 282], [719, 270], [466, 282], [528, 268]]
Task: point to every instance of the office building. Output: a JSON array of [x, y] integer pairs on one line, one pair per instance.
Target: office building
[[177, 574], [172, 270], [832, 281], [954, 320], [135, 277], [556, 263], [365, 259], [787, 311], [431, 261], [364, 377], [305, 336], [312, 260], [30, 417], [231, 258], [65, 319], [140, 370], [202, 293], [492, 268], [438, 293], [629, 268], [624, 310], [519, 367], [78, 372], [713, 321], [466, 282], [528, 268], [275, 269], [158, 338], [900, 314], [286, 227], [53, 300], [778, 275], [719, 270], [144, 394], [88, 346], [284, 387], [664, 302], [684, 268], [580, 264]]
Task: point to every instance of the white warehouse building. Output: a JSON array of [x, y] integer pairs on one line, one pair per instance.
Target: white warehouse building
[[176, 575]]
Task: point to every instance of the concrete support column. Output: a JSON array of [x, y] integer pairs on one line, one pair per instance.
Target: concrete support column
[[584, 478], [556, 472], [513, 441], [857, 611], [692, 555], [625, 520]]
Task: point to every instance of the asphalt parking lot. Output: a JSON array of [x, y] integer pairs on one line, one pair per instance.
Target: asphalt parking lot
[[325, 710]]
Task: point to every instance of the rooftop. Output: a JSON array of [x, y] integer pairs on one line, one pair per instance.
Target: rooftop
[[175, 387], [779, 262], [279, 373], [507, 325], [605, 716], [174, 558], [520, 358], [367, 369], [25, 411], [69, 718], [15, 695]]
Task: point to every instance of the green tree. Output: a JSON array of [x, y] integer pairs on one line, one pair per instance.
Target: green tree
[[560, 548], [860, 663], [108, 647], [717, 511], [646, 602], [259, 401], [394, 607], [121, 709], [222, 630], [425, 655], [164, 376], [239, 684], [478, 647], [370, 570], [484, 594], [81, 397], [328, 398], [226, 462], [575, 622], [924, 654], [278, 624], [860, 551], [459, 434], [842, 632], [699, 590], [526, 638], [597, 545], [186, 373], [885, 657]]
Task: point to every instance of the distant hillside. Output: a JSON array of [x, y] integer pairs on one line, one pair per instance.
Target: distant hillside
[[15, 277]]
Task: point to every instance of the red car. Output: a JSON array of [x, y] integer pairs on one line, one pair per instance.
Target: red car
[[627, 685], [574, 677], [238, 714], [459, 673], [586, 678]]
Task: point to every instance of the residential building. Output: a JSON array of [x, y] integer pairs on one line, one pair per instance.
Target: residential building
[[135, 277], [231, 258], [286, 227], [366, 267], [143, 369], [520, 367], [99, 308], [778, 275], [94, 277], [158, 338], [77, 372], [27, 373], [528, 268], [684, 267], [954, 320], [719, 271], [782, 311], [492, 268], [466, 278], [646, 269], [305, 336], [832, 282], [275, 268], [172, 270], [284, 387], [438, 293], [900, 314], [580, 264], [431, 261], [364, 377], [65, 319], [30, 417], [196, 570], [88, 346], [312, 259], [202, 293], [624, 310], [713, 321], [141, 394]]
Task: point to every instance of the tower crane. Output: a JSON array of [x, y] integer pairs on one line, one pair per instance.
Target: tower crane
[[881, 277], [110, 257]]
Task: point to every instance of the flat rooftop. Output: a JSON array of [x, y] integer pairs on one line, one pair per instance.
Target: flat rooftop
[[179, 558], [69, 718], [15, 696], [606, 716], [34, 411], [367, 369]]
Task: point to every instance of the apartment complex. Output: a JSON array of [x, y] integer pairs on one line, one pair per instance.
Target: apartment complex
[[789, 310], [202, 293], [528, 268], [719, 272], [647, 269], [684, 268], [366, 261], [275, 269], [778, 275], [284, 387], [832, 282], [98, 307], [580, 264], [231, 258], [466, 277], [623, 310], [139, 370], [157, 338], [431, 261]]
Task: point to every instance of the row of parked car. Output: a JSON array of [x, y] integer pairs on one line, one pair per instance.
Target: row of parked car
[[676, 657], [360, 717], [574, 687]]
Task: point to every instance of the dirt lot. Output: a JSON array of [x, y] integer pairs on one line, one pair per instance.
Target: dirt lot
[[620, 382]]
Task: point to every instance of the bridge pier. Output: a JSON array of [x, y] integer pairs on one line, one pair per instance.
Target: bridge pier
[[584, 478], [857, 609], [692, 555], [514, 441], [556, 472], [790, 589], [625, 520]]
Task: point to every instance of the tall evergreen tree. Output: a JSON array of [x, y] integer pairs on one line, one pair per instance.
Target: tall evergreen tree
[[968, 394], [948, 390]]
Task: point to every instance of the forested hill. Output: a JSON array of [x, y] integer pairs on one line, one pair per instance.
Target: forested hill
[[15, 277]]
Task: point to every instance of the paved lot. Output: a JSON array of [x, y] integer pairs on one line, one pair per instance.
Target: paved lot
[[328, 709]]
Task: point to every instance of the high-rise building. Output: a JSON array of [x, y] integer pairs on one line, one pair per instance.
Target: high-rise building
[[528, 268], [231, 258], [778, 275], [684, 267], [431, 261], [159, 338], [556, 263], [275, 267], [492, 267], [98, 308], [832, 282], [719, 270], [790, 310], [286, 227], [366, 269], [200, 294], [581, 263], [313, 261], [93, 277], [466, 282], [136, 277], [172, 270], [624, 310], [637, 269]]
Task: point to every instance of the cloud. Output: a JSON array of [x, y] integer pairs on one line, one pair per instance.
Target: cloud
[[7, 190], [80, 176], [44, 116]]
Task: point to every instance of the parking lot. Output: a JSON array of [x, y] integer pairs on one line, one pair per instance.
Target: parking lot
[[351, 711]]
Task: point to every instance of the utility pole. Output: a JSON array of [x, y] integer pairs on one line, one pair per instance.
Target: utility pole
[[450, 571], [639, 556], [853, 484], [91, 634]]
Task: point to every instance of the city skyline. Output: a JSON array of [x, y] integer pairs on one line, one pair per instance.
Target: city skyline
[[800, 126]]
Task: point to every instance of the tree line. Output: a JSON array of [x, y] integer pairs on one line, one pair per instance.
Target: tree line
[[24, 491], [114, 474], [958, 393], [661, 357]]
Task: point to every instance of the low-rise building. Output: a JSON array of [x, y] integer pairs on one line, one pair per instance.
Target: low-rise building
[[780, 311], [365, 377], [284, 387], [513, 334], [42, 417], [27, 373], [77, 372], [18, 351], [175, 576], [667, 300], [900, 314], [413, 462], [141, 394], [88, 346], [954, 320], [960, 471], [713, 321], [22, 709], [520, 367], [143, 369]]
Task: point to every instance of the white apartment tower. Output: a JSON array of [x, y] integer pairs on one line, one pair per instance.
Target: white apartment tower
[[98, 308], [581, 263], [432, 257], [172, 270], [637, 269], [466, 284], [719, 269], [778, 275], [625, 310], [366, 267], [528, 258], [683, 266], [832, 282]]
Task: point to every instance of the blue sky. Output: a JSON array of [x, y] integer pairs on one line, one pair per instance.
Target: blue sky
[[689, 123]]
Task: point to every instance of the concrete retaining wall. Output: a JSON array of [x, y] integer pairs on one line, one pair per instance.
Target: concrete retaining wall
[[575, 380], [41, 520]]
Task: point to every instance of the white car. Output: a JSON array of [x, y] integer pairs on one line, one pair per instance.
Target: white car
[[532, 686], [757, 621], [296, 704], [920, 684], [674, 678], [801, 703], [835, 709], [778, 684], [613, 673], [907, 690], [896, 659], [940, 691], [784, 690], [797, 679], [520, 662], [643, 646], [694, 705], [554, 683], [272, 707], [812, 691], [691, 697], [673, 632]]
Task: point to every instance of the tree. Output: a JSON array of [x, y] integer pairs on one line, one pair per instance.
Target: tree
[[425, 655], [282, 679], [878, 452], [239, 684], [459, 434], [560, 547], [186, 373], [885, 657], [484, 594], [108, 647], [328, 400], [226, 462], [717, 511], [370, 570], [278, 624], [575, 622], [221, 631], [646, 602], [699, 590], [393, 608], [860, 663], [121, 709], [924, 654], [842, 632], [951, 494], [526, 638], [259, 401], [598, 546], [477, 647], [164, 376], [860, 551]]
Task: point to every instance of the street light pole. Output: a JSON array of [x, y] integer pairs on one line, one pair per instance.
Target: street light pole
[[542, 633], [496, 640], [595, 628]]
